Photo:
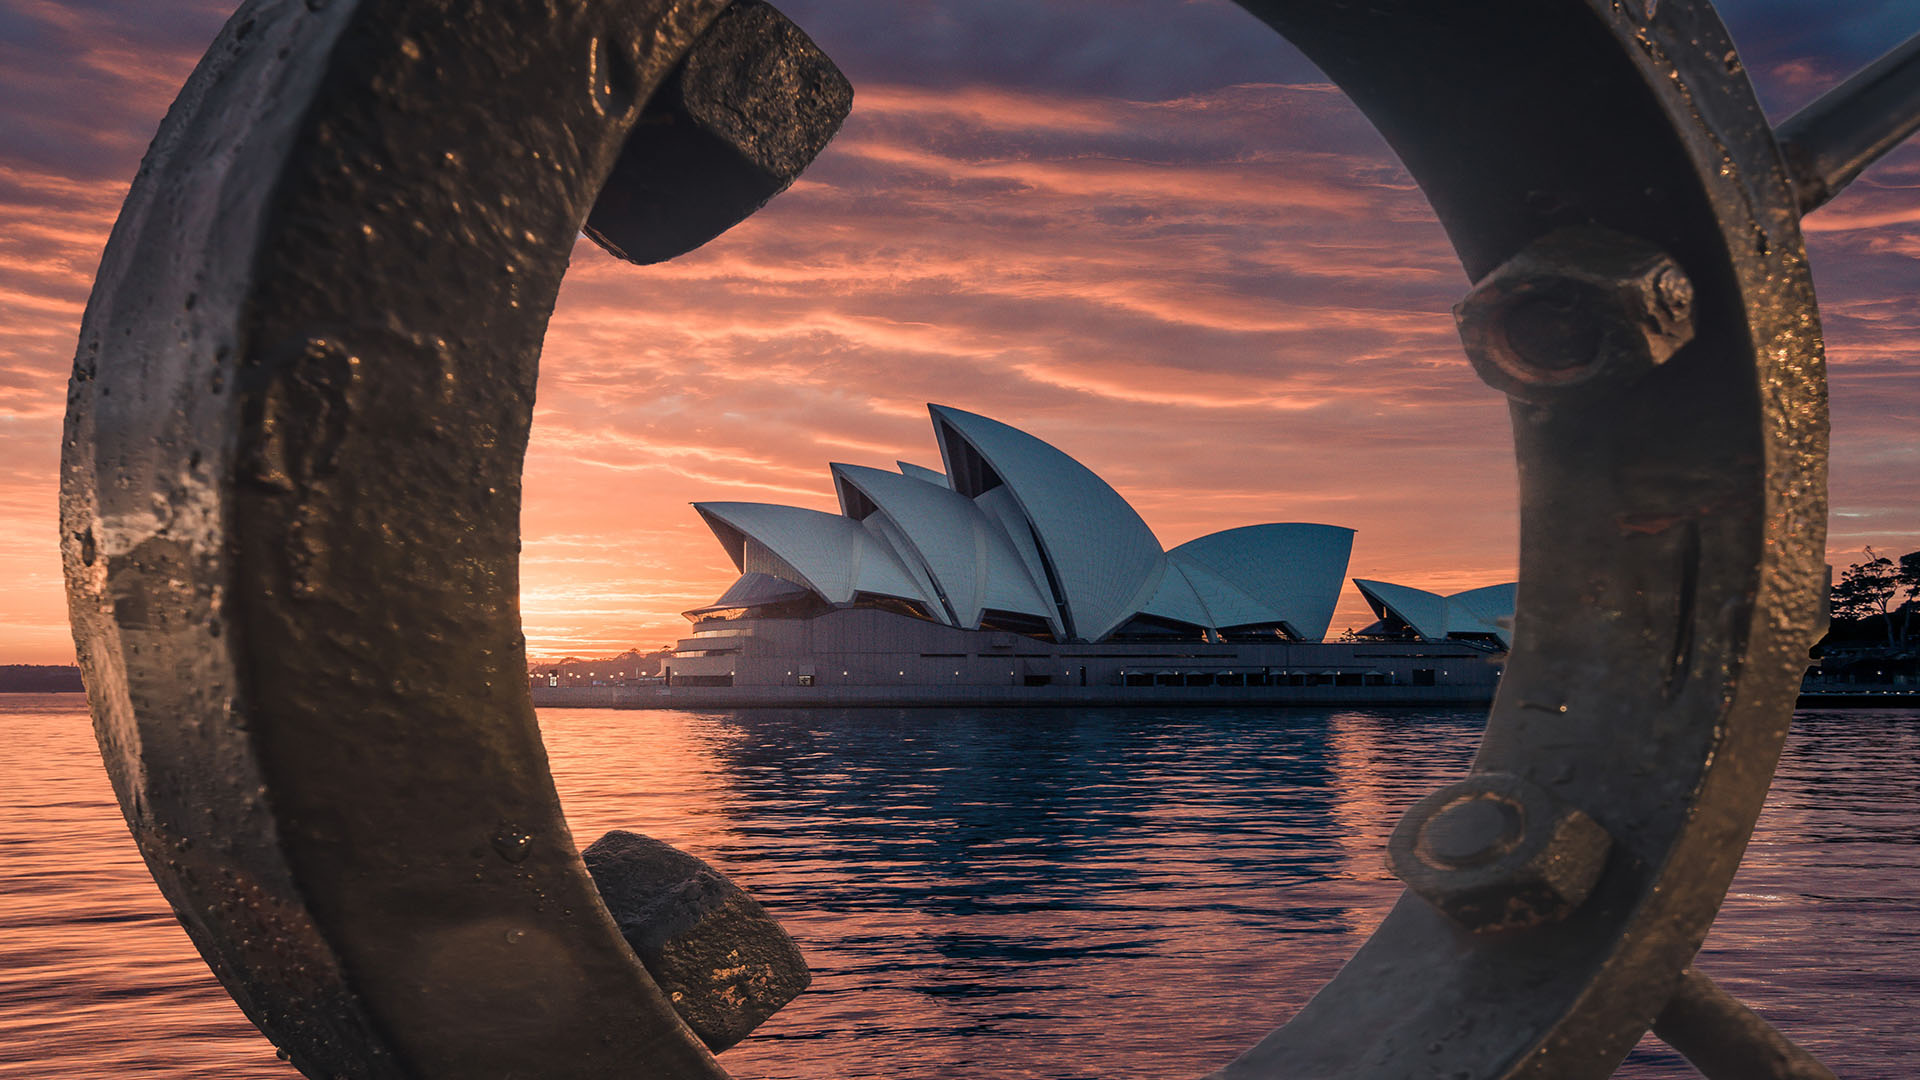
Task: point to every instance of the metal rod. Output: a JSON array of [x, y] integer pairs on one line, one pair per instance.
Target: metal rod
[[1725, 1040], [1828, 142]]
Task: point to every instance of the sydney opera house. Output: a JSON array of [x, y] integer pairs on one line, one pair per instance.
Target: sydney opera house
[[1017, 574]]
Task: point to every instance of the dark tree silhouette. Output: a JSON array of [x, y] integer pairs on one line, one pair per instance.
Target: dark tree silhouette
[[1910, 581], [1868, 588]]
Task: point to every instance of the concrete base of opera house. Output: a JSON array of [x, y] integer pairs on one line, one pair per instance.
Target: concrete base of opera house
[[841, 697], [868, 657]]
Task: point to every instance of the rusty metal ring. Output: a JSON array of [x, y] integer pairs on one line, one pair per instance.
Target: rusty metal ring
[[290, 501]]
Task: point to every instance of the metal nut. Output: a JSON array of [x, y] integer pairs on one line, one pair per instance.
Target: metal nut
[[751, 106], [725, 963], [1496, 852], [1582, 308]]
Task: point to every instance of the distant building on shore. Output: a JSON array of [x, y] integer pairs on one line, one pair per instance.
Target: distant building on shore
[[1017, 574]]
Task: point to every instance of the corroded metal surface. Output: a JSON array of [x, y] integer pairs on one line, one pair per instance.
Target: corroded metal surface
[[1498, 853], [290, 502], [1671, 536], [730, 128], [1829, 142], [1725, 1040], [1578, 313], [290, 509], [721, 959]]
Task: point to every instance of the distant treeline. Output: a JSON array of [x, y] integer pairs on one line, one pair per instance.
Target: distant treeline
[[39, 679], [610, 671], [1878, 589]]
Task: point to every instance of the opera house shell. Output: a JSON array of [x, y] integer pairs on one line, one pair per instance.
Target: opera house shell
[[1016, 535], [1015, 572], [1484, 614]]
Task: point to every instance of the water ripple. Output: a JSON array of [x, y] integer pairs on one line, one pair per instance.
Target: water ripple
[[999, 894]]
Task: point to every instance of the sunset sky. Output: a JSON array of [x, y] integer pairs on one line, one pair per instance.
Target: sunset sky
[[1147, 232]]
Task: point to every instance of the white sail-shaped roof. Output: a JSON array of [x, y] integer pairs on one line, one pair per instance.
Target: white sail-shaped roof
[[1226, 603], [1294, 571], [1105, 563], [921, 472], [1177, 599], [834, 556], [1487, 611], [1016, 531], [753, 590], [971, 561], [889, 534], [1424, 612], [1005, 513]]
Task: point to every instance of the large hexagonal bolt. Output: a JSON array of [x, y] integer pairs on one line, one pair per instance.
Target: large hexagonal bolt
[[1583, 309], [724, 963], [1496, 852], [748, 109]]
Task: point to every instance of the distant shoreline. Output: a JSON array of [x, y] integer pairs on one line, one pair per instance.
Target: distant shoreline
[[40, 679], [65, 679]]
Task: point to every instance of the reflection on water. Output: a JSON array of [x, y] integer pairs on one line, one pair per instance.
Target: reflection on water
[[1044, 893], [998, 894]]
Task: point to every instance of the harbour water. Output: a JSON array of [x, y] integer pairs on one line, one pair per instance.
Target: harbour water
[[1047, 894]]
